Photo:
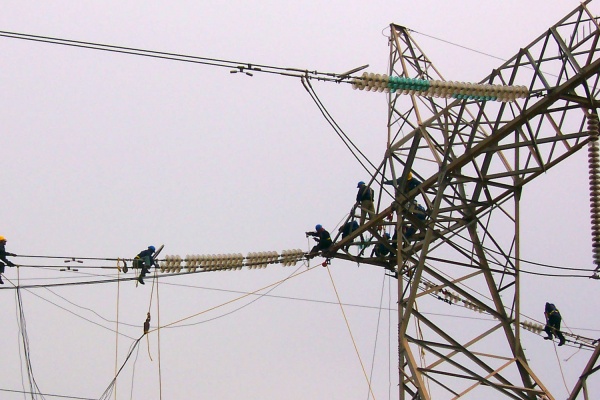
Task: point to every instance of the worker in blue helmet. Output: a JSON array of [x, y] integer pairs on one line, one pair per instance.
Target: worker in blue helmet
[[322, 237], [144, 261], [364, 200]]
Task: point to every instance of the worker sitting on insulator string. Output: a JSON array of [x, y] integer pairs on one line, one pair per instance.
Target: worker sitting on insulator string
[[3, 254], [144, 261], [322, 237], [364, 199], [553, 320]]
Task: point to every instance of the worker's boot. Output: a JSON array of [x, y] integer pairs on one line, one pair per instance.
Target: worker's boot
[[1, 281]]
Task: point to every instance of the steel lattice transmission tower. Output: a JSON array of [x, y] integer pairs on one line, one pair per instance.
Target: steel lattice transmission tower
[[471, 159]]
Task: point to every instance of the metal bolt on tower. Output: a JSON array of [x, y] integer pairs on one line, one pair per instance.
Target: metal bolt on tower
[[468, 158]]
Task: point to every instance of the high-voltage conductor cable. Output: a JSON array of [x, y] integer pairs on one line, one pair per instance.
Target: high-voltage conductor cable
[[233, 66], [341, 134], [338, 130]]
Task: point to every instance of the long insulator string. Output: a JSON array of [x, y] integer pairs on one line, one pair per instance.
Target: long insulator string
[[594, 171]]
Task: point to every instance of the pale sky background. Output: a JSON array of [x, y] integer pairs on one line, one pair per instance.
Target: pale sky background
[[104, 154]]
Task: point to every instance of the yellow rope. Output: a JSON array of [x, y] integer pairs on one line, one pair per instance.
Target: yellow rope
[[148, 342], [560, 366], [152, 290], [350, 332], [230, 301]]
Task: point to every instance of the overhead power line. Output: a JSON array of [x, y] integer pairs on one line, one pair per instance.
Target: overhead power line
[[233, 66], [46, 394]]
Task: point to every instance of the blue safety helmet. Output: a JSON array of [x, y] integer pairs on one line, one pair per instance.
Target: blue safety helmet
[[152, 248], [360, 184], [318, 227]]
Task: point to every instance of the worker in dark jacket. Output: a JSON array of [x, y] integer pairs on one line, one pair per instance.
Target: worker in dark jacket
[[364, 199], [322, 238], [381, 250], [3, 254], [348, 228], [144, 261], [553, 319], [411, 182]]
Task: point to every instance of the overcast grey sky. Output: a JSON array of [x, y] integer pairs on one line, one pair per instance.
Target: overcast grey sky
[[104, 154]]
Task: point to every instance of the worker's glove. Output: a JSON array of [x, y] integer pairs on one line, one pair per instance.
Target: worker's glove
[[11, 254]]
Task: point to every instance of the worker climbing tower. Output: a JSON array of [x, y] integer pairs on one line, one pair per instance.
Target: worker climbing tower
[[464, 152]]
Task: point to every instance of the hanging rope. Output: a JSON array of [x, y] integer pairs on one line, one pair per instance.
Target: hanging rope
[[107, 393], [147, 323], [350, 331], [117, 322], [377, 332], [158, 334], [561, 369], [231, 301], [146, 329], [133, 372], [308, 249], [17, 302], [33, 386]]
